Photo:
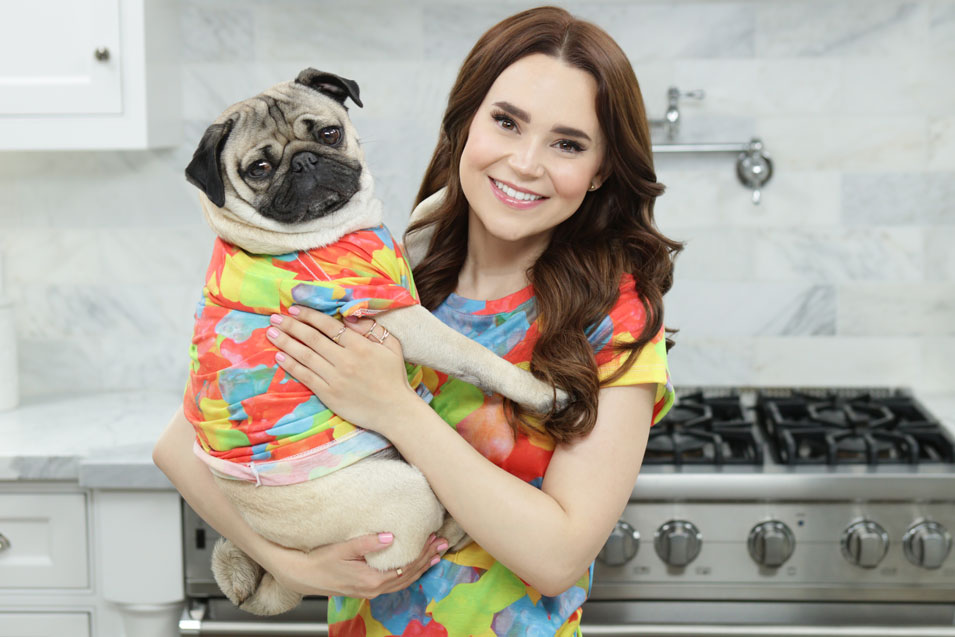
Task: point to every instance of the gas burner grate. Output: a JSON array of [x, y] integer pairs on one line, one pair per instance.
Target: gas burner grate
[[845, 426], [704, 429]]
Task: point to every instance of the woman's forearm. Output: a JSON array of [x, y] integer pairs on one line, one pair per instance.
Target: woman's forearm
[[521, 526]]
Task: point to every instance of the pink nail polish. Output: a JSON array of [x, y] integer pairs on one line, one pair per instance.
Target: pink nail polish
[[351, 319], [275, 319], [280, 357], [272, 333], [294, 310], [442, 546], [431, 538], [386, 538], [435, 560]]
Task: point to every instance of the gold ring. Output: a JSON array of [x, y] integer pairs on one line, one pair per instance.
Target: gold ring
[[384, 334], [371, 329], [338, 336], [399, 571]]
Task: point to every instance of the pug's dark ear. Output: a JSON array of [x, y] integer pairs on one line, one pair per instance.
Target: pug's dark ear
[[334, 86], [203, 171]]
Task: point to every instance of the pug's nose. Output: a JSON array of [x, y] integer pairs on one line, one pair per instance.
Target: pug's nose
[[304, 161]]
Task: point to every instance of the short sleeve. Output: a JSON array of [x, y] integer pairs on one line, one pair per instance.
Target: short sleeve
[[362, 274], [620, 327]]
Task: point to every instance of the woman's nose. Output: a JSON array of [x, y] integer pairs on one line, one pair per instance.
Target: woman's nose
[[525, 160]]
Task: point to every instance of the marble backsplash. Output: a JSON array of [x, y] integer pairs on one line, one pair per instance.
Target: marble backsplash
[[845, 274]]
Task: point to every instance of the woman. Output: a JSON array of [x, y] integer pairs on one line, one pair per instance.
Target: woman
[[544, 249]]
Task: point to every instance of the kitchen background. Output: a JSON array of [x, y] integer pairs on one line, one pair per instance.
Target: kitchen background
[[845, 274]]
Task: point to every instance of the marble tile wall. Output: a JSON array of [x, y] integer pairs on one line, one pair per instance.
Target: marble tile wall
[[844, 275]]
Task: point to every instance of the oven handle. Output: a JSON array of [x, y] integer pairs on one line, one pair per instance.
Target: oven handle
[[189, 626], [736, 630]]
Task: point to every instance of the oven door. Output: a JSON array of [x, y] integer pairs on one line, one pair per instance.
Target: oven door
[[664, 618]]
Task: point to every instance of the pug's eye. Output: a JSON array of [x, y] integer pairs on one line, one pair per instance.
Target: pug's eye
[[330, 135], [259, 169]]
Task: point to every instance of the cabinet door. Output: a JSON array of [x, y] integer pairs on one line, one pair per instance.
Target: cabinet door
[[48, 57], [45, 540], [44, 625]]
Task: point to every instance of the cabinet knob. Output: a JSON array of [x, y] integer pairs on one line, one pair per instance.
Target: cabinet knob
[[4, 542], [101, 54]]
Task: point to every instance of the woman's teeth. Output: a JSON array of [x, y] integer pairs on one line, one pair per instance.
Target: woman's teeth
[[516, 194]]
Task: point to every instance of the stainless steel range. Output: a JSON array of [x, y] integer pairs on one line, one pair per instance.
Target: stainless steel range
[[769, 512], [785, 512]]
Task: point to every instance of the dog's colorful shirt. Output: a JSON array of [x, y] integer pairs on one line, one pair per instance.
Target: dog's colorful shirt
[[253, 421], [469, 592]]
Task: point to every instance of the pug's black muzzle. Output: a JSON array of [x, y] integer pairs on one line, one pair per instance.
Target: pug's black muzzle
[[313, 187]]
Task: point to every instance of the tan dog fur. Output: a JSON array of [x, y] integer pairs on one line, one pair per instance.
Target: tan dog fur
[[380, 493]]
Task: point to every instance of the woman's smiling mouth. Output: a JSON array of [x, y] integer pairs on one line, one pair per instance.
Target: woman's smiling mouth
[[520, 199]]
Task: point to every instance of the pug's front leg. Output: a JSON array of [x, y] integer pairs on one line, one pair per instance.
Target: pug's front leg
[[425, 340]]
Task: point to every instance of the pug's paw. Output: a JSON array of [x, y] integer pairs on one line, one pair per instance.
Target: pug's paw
[[237, 574]]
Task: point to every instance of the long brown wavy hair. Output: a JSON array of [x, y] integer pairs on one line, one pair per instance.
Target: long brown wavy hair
[[576, 279]]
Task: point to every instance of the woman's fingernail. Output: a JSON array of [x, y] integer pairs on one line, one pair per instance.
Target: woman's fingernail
[[272, 333], [435, 560], [385, 538], [351, 319], [431, 538], [442, 546], [280, 357], [275, 319], [294, 310]]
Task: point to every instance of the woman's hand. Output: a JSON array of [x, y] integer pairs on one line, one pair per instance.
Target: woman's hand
[[340, 569], [357, 372]]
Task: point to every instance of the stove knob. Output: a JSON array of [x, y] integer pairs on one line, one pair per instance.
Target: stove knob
[[865, 543], [621, 546], [771, 543], [927, 544], [677, 542]]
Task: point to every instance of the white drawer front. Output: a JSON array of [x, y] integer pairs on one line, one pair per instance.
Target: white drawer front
[[46, 541], [44, 625]]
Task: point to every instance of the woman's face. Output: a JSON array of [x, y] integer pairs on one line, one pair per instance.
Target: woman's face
[[534, 148]]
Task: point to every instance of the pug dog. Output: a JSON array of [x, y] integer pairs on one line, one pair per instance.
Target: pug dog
[[284, 184]]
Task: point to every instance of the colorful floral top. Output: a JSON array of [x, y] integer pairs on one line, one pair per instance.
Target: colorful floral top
[[254, 422], [469, 592]]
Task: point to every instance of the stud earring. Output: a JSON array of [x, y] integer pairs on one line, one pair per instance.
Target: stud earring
[[593, 187]]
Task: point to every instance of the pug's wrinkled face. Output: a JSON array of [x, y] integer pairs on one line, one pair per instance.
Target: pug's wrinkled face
[[290, 153]]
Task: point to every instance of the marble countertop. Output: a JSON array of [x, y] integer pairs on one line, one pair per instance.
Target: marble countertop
[[97, 440], [105, 441]]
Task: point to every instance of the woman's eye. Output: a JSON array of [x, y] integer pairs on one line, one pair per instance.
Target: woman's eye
[[330, 135], [568, 146], [259, 169], [504, 121]]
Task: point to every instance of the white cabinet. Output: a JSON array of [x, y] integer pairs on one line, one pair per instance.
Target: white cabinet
[[44, 625], [77, 562], [89, 74], [44, 541]]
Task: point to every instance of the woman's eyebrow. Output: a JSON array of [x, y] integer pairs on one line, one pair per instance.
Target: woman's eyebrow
[[524, 116], [570, 132], [510, 109]]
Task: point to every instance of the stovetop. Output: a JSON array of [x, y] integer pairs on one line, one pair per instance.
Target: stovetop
[[878, 429]]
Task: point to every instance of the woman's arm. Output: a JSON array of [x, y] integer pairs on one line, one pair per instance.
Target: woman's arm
[[546, 536], [335, 569]]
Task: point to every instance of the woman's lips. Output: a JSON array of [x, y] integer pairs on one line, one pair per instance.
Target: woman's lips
[[519, 204]]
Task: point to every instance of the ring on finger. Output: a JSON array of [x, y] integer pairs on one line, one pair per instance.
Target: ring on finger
[[384, 334], [399, 571], [338, 336]]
